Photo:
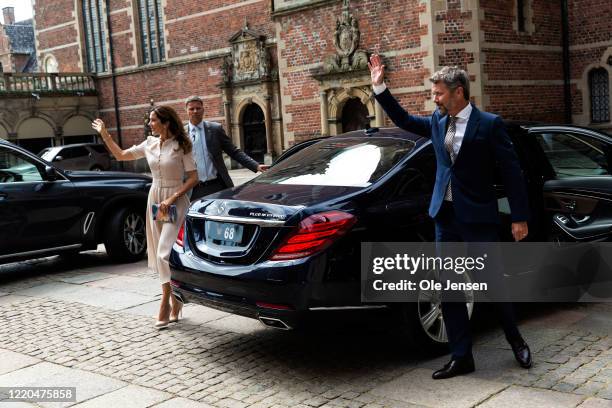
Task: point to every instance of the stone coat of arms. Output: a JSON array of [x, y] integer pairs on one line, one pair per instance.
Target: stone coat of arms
[[346, 40]]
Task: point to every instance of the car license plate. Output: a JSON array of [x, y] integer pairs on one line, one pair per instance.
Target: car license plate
[[225, 232]]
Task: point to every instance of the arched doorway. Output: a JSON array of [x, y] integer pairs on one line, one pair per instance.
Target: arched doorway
[[254, 132], [34, 134], [78, 129], [354, 115]]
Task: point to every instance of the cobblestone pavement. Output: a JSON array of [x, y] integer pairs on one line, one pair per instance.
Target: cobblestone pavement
[[88, 316], [86, 323]]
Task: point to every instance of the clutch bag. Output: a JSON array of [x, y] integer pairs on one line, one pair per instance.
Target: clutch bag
[[168, 216]]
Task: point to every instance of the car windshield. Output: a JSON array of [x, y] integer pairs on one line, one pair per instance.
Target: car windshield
[[347, 162]]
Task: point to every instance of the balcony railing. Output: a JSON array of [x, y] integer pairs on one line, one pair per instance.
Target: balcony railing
[[69, 83]]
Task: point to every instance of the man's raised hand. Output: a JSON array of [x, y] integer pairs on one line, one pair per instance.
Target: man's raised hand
[[377, 69]]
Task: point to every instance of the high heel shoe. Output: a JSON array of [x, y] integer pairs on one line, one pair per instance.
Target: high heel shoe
[[161, 324], [179, 315]]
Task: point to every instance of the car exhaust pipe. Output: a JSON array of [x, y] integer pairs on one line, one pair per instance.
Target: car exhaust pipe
[[274, 323]]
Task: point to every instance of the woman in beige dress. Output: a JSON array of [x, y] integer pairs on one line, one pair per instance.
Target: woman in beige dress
[[170, 158]]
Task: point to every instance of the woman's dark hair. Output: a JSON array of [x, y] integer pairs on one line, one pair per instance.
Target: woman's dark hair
[[166, 114]]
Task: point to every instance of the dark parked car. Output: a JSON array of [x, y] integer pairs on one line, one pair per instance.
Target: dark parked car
[[79, 156], [45, 210], [288, 242]]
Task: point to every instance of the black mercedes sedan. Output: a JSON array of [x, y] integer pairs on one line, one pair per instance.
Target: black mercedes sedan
[[287, 244], [46, 211]]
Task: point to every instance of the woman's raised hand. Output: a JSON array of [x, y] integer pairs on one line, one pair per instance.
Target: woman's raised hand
[[99, 126]]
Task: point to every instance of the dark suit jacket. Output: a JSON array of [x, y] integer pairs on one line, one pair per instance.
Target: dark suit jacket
[[217, 142], [472, 175]]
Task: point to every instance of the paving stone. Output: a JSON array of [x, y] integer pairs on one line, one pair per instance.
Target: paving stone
[[109, 299], [238, 324], [182, 403], [88, 385], [132, 284], [85, 277], [11, 361], [606, 392], [522, 397], [131, 396], [596, 403], [564, 387], [417, 387]]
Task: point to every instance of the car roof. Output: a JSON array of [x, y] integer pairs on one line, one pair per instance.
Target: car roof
[[389, 132]]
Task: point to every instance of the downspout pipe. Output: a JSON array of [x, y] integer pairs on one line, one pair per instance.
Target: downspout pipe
[[113, 79], [567, 90]]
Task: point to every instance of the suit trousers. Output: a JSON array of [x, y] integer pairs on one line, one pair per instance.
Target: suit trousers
[[455, 314], [205, 188]]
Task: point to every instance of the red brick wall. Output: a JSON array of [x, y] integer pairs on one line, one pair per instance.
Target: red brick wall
[[529, 103], [590, 21], [500, 16], [49, 13], [523, 101], [212, 31], [308, 38], [67, 59], [122, 51], [386, 26], [57, 37]]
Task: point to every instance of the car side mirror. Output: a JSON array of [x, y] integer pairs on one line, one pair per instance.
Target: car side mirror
[[58, 158], [50, 173]]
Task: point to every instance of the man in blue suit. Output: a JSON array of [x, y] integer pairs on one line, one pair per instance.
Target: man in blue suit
[[468, 143]]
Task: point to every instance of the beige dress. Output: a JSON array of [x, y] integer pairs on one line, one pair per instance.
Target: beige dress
[[168, 167]]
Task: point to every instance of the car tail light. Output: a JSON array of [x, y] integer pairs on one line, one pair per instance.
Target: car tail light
[[181, 236], [314, 234]]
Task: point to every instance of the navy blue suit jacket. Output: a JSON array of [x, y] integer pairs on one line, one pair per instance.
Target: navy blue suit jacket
[[472, 175]]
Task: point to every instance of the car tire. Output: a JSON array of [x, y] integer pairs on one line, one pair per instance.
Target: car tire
[[125, 235], [422, 324]]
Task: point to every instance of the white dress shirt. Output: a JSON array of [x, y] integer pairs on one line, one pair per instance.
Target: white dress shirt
[[203, 159]]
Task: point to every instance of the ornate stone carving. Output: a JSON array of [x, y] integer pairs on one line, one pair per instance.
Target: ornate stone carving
[[249, 60], [346, 40]]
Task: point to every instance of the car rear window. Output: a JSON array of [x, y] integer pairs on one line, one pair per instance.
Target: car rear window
[[72, 152], [99, 148], [347, 162]]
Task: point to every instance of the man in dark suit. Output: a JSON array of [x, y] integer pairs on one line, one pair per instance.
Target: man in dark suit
[[468, 143], [209, 141]]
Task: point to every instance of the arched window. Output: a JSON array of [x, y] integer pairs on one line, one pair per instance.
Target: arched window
[[51, 64], [600, 95]]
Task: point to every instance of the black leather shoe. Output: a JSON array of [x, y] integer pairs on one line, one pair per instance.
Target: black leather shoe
[[455, 367], [521, 353]]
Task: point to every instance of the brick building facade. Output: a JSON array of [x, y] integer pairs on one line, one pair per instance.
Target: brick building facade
[[276, 72]]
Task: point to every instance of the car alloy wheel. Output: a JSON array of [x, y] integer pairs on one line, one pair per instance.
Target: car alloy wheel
[[134, 235], [429, 309]]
